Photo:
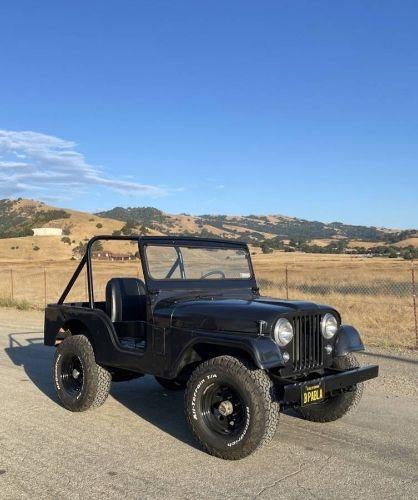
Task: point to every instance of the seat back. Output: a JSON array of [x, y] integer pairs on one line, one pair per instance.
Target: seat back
[[126, 299]]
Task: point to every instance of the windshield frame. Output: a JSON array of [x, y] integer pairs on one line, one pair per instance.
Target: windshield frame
[[194, 243]]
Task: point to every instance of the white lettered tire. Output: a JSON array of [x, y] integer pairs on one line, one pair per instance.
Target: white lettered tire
[[230, 407], [79, 381]]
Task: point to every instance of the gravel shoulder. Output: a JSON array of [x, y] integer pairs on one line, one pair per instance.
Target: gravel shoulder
[[138, 446]]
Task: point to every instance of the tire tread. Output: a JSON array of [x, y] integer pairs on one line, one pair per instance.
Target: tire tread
[[265, 403]]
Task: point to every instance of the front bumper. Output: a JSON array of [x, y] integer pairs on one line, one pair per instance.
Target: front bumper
[[335, 382]]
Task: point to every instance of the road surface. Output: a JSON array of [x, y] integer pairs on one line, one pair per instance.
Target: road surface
[[138, 446]]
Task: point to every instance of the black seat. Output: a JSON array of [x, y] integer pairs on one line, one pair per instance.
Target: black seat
[[126, 299]]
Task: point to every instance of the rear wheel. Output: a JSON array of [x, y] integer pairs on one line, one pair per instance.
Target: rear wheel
[[339, 405], [230, 407], [79, 381]]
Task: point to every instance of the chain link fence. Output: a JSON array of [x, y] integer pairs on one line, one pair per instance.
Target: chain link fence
[[380, 301]]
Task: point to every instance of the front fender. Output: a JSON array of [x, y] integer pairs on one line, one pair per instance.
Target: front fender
[[347, 340], [263, 351]]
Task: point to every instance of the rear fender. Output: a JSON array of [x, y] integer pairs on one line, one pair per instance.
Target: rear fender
[[96, 326], [348, 340]]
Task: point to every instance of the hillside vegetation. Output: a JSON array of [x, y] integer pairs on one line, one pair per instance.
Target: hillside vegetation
[[266, 232], [273, 232], [255, 227]]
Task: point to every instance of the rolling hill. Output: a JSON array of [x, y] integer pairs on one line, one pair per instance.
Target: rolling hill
[[19, 217], [255, 228]]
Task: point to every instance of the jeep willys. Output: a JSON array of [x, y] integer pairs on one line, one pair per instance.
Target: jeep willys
[[198, 322]]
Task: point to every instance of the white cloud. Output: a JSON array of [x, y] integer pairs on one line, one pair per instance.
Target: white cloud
[[52, 166]]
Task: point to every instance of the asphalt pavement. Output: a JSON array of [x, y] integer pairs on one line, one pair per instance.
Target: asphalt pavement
[[138, 446]]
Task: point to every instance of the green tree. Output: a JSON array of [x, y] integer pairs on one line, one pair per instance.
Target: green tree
[[266, 249]]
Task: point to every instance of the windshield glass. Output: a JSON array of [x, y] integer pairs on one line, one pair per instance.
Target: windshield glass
[[183, 262]]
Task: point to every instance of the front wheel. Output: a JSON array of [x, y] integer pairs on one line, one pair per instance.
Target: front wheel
[[230, 407], [79, 381], [339, 405]]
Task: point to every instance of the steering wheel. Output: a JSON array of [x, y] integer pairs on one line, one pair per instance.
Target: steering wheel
[[211, 273]]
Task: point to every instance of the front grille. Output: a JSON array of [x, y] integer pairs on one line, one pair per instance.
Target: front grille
[[307, 344]]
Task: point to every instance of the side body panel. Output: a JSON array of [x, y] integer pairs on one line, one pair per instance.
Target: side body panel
[[168, 349]]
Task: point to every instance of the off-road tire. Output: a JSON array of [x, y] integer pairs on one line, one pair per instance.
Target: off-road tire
[[337, 406], [260, 412], [96, 380], [171, 384]]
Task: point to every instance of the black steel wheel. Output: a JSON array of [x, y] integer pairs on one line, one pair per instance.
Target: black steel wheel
[[79, 381], [71, 374], [223, 409], [230, 407]]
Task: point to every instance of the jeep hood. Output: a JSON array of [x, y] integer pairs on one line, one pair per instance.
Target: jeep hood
[[230, 314]]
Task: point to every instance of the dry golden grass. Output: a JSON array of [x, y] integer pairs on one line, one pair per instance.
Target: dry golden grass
[[375, 295], [372, 294], [82, 226], [408, 242]]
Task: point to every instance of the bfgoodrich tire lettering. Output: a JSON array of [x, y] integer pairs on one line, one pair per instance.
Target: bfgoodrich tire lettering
[[79, 381], [339, 405], [224, 390]]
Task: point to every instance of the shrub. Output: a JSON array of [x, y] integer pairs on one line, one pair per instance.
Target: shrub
[[266, 249], [99, 225], [36, 248], [97, 246], [22, 305], [66, 239]]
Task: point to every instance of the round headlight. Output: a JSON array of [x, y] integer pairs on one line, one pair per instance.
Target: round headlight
[[283, 332], [329, 326]]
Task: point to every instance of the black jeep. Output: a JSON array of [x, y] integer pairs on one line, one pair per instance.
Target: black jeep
[[198, 322]]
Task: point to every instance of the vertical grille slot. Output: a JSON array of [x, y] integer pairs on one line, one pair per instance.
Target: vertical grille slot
[[307, 345]]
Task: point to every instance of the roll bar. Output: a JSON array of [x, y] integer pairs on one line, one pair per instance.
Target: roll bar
[[86, 261]]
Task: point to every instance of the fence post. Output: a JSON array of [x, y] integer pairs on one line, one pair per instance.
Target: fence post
[[11, 284], [287, 282], [414, 303], [45, 287]]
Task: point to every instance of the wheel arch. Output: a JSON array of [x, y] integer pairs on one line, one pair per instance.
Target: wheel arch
[[348, 340], [260, 352], [76, 327]]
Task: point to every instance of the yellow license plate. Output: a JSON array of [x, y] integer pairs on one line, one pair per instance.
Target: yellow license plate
[[313, 393]]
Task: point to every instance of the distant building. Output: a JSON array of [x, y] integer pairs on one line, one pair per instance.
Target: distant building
[[103, 255], [47, 231]]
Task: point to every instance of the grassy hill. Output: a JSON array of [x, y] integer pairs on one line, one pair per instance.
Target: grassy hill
[[19, 217], [255, 228]]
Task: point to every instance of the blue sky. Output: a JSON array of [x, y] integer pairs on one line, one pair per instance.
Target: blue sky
[[292, 107]]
